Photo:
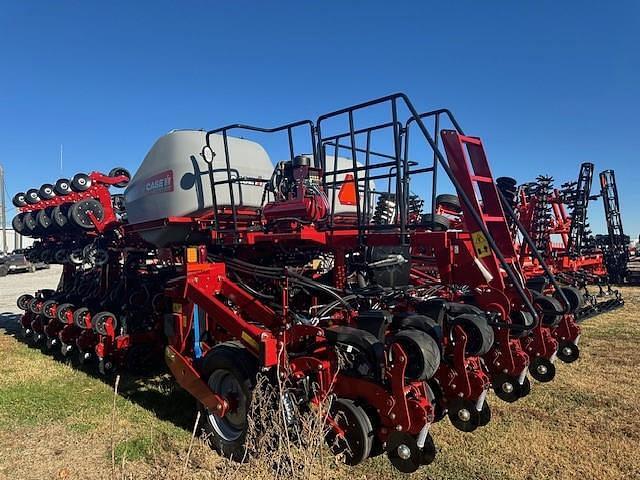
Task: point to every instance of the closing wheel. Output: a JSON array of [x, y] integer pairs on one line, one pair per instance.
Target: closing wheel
[[19, 200], [80, 182], [79, 213], [568, 352], [464, 415], [506, 387], [23, 301], [49, 309], [230, 372], [59, 216], [423, 354], [403, 452], [102, 322], [353, 444], [542, 369], [32, 196], [448, 201], [46, 191], [62, 186], [119, 171], [480, 335], [437, 223], [63, 311], [35, 306], [82, 317]]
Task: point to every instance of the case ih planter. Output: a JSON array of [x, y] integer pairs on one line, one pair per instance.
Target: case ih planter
[[322, 272]]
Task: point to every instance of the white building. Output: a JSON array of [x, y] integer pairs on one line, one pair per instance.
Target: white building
[[13, 241]]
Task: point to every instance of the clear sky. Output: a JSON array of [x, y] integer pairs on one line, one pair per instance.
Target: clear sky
[[546, 84]]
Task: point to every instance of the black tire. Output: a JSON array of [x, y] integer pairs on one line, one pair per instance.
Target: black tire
[[99, 322], [573, 295], [437, 223], [43, 219], [23, 301], [228, 434], [61, 312], [59, 216], [4, 270], [62, 186], [550, 310], [46, 192], [80, 317], [355, 446], [449, 201], [78, 213], [423, 354], [480, 335], [29, 222], [80, 182], [118, 171], [32, 196], [18, 224], [19, 200]]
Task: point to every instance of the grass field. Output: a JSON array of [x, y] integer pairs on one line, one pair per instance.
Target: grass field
[[58, 422]]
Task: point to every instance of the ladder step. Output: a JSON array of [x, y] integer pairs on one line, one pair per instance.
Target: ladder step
[[481, 179]]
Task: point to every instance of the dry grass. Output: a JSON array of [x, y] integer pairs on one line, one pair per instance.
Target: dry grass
[[55, 422]]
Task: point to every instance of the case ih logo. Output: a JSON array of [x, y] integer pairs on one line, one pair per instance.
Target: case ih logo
[[160, 183]]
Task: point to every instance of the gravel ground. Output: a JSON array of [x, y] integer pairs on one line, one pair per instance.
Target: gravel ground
[[14, 285]]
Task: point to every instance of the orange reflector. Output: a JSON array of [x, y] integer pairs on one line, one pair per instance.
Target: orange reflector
[[192, 255], [348, 194]]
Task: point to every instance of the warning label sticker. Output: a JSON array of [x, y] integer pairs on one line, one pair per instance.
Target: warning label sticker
[[480, 244]]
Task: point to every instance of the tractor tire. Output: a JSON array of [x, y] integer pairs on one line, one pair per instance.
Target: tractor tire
[[230, 366], [449, 201]]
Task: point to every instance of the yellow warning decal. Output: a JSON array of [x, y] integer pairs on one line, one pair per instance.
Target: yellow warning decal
[[480, 244], [249, 339], [177, 307]]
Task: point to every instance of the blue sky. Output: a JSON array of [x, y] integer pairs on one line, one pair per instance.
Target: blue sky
[[546, 84]]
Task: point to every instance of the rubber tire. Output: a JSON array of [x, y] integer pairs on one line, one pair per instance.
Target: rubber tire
[[4, 270], [480, 335], [32, 196], [449, 201], [62, 186], [80, 182], [59, 216], [29, 221], [78, 213], [46, 192], [116, 172], [437, 223], [422, 351], [549, 303], [365, 440], [18, 224], [234, 358], [574, 297], [19, 200], [43, 219]]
